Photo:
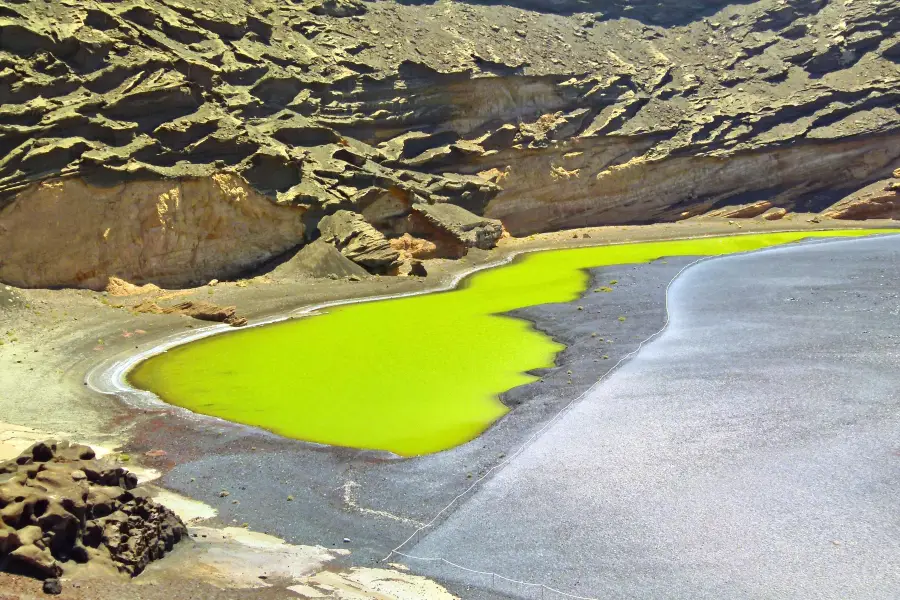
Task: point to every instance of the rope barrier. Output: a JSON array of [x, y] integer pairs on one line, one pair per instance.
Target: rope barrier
[[522, 448]]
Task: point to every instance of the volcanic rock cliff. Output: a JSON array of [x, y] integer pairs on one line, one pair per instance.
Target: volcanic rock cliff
[[177, 141]]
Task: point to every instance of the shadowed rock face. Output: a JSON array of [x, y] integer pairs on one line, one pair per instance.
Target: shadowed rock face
[[359, 241], [544, 115]]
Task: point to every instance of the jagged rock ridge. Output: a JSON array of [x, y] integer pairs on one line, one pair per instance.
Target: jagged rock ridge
[[541, 115]]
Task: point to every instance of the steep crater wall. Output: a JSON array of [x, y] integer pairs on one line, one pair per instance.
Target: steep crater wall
[[577, 185], [543, 115]]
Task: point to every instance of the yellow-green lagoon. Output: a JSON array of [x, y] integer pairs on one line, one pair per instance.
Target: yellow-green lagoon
[[410, 375]]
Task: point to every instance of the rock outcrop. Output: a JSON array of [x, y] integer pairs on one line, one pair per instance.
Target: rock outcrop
[[170, 232], [60, 506], [203, 311], [464, 230], [411, 247], [544, 115], [357, 240], [881, 200]]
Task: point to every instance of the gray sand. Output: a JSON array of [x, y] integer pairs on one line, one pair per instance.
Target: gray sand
[[750, 452]]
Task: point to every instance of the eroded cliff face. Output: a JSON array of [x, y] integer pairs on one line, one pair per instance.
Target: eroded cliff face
[[68, 233], [544, 115], [548, 191]]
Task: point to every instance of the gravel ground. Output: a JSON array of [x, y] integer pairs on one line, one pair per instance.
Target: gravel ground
[[750, 452]]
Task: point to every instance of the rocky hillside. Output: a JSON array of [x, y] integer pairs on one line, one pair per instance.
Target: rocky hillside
[[175, 141]]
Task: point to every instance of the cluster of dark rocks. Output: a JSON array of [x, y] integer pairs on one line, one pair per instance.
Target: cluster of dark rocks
[[61, 506]]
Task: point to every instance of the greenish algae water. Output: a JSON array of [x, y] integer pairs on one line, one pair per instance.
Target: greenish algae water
[[411, 375]]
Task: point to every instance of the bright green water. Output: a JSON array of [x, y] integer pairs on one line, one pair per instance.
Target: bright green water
[[411, 375]]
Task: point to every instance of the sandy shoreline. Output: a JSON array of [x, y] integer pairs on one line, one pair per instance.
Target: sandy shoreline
[[62, 336]]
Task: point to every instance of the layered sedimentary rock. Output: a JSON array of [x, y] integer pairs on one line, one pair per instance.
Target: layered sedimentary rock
[[800, 177], [543, 115], [70, 233], [456, 228], [60, 507], [204, 311]]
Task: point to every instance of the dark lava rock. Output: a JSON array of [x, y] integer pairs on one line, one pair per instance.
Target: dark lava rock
[[61, 507], [417, 269], [52, 587]]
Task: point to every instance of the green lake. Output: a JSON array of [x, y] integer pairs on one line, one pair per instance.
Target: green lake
[[410, 375]]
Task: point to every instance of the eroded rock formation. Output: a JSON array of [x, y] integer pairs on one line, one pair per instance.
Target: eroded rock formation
[[66, 232], [203, 311], [881, 200], [60, 506], [544, 115], [454, 227], [359, 241]]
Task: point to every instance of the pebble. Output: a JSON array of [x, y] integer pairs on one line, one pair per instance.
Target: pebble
[[52, 587]]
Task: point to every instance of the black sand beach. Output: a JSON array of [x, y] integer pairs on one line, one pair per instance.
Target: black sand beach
[[748, 452]]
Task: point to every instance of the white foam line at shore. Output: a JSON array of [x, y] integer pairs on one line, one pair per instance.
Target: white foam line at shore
[[110, 376]]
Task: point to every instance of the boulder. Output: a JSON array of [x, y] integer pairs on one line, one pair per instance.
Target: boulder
[[470, 230], [63, 507], [52, 587], [412, 268], [880, 200], [357, 240]]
